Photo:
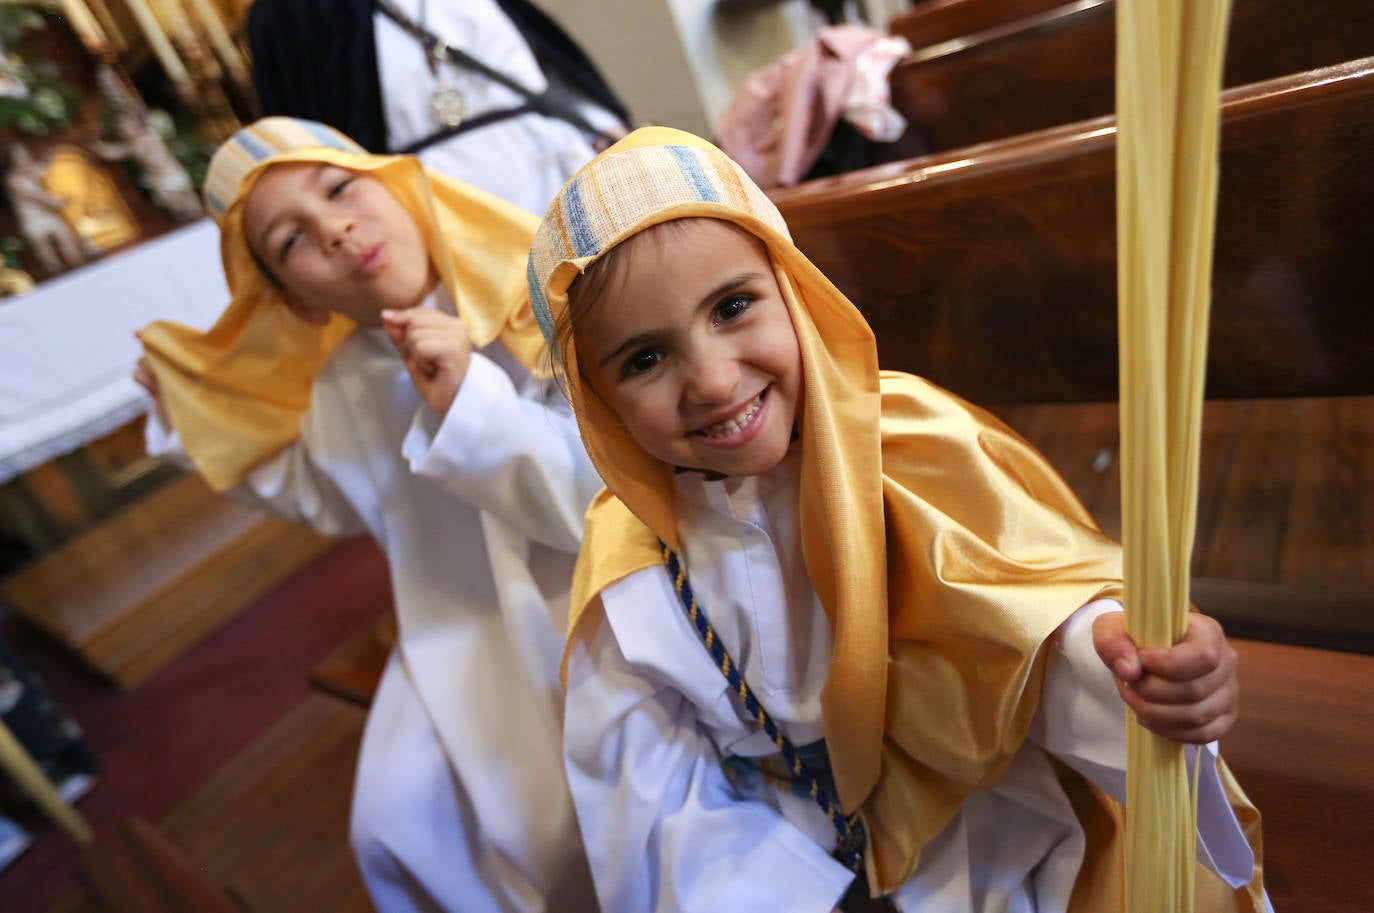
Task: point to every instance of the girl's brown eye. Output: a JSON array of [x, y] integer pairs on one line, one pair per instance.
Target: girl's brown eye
[[641, 362], [732, 307]]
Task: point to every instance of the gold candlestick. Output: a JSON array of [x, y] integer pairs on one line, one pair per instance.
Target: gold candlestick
[[101, 11], [219, 37], [162, 46], [87, 28]]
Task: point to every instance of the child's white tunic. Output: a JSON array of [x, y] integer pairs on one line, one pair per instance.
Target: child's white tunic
[[460, 802], [649, 717]]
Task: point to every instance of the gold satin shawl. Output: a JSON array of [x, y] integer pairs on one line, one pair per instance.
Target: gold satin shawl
[[236, 392], [943, 548]]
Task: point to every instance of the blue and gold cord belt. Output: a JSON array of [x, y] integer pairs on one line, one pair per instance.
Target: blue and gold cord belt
[[849, 844]]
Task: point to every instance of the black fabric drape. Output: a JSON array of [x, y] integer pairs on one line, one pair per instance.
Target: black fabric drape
[[317, 59]]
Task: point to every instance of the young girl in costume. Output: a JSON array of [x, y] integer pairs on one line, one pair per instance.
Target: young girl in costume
[[830, 620], [378, 371]]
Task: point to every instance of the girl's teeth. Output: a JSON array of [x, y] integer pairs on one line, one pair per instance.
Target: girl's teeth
[[736, 424]]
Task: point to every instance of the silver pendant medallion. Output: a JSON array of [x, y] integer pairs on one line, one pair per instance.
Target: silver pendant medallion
[[446, 106]]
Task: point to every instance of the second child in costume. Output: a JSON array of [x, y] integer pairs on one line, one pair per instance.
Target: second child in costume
[[830, 620], [378, 370]]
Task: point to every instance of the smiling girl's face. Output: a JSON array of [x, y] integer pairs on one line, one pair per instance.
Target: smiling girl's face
[[337, 241], [692, 346]]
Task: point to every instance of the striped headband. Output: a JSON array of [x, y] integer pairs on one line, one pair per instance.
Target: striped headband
[[621, 193], [252, 145]]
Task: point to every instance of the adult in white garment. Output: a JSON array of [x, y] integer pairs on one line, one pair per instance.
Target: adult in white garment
[[376, 70]]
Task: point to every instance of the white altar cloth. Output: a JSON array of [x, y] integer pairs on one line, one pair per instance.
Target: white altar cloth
[[67, 349]]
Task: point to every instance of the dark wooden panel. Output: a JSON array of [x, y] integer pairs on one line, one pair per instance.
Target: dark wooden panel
[[269, 830], [1330, 620], [1081, 441], [1058, 67], [1248, 534], [272, 824], [993, 271], [1303, 751], [354, 670], [944, 20], [1284, 499], [1329, 538], [139, 871]]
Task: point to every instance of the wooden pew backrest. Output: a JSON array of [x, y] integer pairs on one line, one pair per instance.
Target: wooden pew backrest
[[1057, 67], [938, 21], [992, 270]]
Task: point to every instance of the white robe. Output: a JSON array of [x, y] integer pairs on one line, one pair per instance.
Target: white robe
[[523, 159], [649, 718], [460, 801]]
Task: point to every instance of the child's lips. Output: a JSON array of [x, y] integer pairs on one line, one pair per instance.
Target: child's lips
[[733, 424], [371, 261]]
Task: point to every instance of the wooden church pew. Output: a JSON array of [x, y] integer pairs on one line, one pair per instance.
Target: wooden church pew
[[992, 272], [1056, 67], [1284, 550], [937, 21], [1303, 751]]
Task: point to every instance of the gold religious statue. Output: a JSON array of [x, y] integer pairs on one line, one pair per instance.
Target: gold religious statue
[[39, 212], [200, 88], [93, 205], [161, 175]]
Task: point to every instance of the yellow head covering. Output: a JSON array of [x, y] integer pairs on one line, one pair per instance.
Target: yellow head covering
[[943, 549], [236, 392]]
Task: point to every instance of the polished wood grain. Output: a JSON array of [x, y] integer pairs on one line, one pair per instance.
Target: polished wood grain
[[1303, 750], [269, 830], [354, 670], [1285, 489], [137, 590], [140, 871], [279, 811], [938, 21], [1057, 67], [992, 271], [159, 742]]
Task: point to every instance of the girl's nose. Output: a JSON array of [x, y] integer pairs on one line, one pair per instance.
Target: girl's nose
[[334, 229], [711, 378]]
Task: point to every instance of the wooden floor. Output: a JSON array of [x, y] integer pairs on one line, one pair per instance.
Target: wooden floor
[[161, 742], [282, 808], [141, 587], [271, 826]]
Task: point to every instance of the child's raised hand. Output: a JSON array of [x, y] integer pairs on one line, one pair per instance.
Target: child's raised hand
[[436, 348], [145, 378], [1188, 692]]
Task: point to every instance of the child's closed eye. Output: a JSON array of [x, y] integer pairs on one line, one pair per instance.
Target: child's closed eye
[[339, 186], [287, 244]]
